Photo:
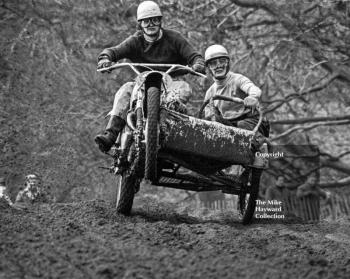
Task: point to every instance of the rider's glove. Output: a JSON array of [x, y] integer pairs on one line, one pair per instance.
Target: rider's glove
[[104, 63], [250, 101], [198, 65]]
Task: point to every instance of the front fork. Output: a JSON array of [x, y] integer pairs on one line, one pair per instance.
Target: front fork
[[139, 136], [121, 154]]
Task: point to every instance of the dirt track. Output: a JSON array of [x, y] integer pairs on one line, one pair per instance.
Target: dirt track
[[90, 240]]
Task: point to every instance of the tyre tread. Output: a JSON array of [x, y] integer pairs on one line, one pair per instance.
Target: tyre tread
[[153, 101]]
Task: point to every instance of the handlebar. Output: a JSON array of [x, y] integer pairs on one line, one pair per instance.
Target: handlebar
[[231, 99], [172, 67], [224, 98]]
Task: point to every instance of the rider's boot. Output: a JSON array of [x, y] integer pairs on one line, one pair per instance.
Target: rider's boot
[[106, 140]]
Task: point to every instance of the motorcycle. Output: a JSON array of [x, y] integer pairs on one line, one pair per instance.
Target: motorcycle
[[163, 145]]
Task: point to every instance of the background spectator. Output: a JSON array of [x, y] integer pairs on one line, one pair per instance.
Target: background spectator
[[33, 191], [275, 192]]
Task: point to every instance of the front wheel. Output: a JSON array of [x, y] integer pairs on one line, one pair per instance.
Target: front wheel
[[248, 196], [125, 192], [152, 133]]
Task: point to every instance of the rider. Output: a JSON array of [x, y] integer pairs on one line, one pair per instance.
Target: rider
[[228, 83], [150, 44]]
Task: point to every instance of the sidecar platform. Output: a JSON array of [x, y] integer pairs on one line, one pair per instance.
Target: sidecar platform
[[193, 182], [201, 145]]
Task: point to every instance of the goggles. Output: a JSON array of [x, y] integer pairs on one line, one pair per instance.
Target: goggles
[[147, 21], [217, 62]]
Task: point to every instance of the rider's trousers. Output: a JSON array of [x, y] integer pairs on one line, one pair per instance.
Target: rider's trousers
[[121, 105], [122, 98]]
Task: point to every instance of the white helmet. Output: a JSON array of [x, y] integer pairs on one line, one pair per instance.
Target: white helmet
[[148, 9], [215, 51]]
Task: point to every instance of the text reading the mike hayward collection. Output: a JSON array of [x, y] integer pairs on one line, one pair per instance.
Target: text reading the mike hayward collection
[[270, 209]]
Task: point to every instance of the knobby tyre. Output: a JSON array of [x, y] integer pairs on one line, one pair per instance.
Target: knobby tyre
[[124, 197], [247, 201], [152, 127]]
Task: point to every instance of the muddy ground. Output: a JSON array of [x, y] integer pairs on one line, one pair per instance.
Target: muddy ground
[[90, 240]]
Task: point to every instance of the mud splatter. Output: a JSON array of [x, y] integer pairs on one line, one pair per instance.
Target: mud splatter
[[90, 240]]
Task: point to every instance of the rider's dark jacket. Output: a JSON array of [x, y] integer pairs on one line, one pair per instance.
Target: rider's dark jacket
[[171, 48]]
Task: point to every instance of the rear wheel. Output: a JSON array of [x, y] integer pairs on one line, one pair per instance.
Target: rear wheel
[[125, 192], [248, 196], [152, 132]]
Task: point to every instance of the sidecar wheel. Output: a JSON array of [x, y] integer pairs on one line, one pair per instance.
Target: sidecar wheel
[[125, 192], [247, 201], [153, 102]]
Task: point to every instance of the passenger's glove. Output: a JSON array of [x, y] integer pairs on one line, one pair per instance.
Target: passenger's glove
[[198, 65], [104, 63], [250, 101]]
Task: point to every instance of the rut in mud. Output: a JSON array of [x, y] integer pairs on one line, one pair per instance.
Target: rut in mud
[[90, 240]]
